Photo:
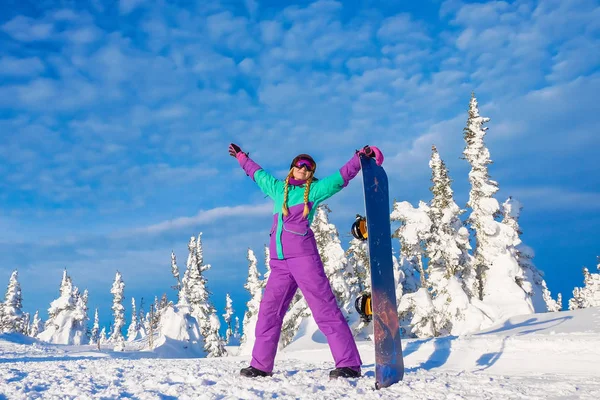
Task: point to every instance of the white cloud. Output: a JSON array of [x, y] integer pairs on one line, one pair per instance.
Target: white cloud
[[21, 66], [127, 6], [27, 29], [555, 198], [203, 217]]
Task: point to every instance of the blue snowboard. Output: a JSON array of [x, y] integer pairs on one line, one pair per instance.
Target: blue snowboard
[[389, 364]]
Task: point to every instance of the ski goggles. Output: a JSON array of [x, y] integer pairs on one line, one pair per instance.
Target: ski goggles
[[306, 164]]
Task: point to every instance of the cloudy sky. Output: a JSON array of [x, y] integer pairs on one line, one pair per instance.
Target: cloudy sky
[[115, 118]]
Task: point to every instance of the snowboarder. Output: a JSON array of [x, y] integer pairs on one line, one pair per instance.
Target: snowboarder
[[295, 261]]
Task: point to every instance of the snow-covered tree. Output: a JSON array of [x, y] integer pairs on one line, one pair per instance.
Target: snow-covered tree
[[358, 258], [413, 233], [134, 330], [227, 317], [589, 294], [213, 343], [267, 265], [343, 281], [36, 326], [533, 282], [80, 314], [194, 282], [67, 316], [95, 333], [117, 291], [451, 310], [175, 272], [103, 339], [254, 287], [13, 320], [236, 330], [495, 267]]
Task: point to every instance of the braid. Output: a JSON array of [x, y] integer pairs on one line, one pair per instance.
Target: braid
[[284, 208], [306, 191]]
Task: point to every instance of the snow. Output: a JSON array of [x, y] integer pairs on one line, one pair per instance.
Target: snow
[[534, 356]]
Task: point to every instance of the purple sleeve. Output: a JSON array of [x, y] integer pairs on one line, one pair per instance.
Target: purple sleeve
[[350, 169], [249, 166]]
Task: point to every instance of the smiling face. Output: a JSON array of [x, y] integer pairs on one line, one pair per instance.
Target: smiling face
[[303, 167], [301, 174]]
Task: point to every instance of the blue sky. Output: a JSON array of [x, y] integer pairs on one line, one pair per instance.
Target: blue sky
[[115, 119]]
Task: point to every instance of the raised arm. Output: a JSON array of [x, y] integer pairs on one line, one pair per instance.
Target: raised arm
[[265, 181], [332, 184]]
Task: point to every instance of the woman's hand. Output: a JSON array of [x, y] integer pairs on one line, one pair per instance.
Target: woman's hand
[[373, 152], [234, 150]]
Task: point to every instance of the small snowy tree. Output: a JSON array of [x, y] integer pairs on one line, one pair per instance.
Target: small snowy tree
[[133, 332], [213, 343], [36, 326], [227, 318], [13, 319], [194, 282], [175, 272], [334, 260], [358, 258], [495, 267], [589, 294], [103, 339], [254, 287], [267, 265], [117, 290], [413, 233], [236, 330], [67, 321], [95, 334], [533, 282]]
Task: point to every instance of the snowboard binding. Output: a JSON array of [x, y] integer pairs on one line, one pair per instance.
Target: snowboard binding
[[363, 307], [359, 228]]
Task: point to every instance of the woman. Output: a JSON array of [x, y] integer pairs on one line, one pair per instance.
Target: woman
[[295, 261]]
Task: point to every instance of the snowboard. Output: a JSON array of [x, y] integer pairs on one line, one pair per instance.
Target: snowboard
[[389, 364]]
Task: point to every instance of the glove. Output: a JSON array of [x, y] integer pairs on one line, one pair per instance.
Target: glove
[[234, 150], [373, 152]]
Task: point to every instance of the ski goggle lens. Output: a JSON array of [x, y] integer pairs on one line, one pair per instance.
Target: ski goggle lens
[[304, 164]]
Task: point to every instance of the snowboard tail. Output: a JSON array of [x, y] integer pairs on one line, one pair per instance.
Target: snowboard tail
[[389, 363]]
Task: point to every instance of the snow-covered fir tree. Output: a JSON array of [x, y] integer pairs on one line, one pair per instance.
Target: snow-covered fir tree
[[236, 331], [533, 282], [413, 233], [496, 269], [451, 310], [81, 314], [67, 316], [175, 272], [134, 330], [267, 265], [117, 290], [13, 320], [213, 343], [227, 317], [343, 282], [589, 294], [36, 326], [358, 262], [95, 333], [194, 282], [358, 259], [254, 287], [103, 337]]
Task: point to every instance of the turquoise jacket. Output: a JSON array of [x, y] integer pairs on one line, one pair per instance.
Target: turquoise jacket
[[291, 235]]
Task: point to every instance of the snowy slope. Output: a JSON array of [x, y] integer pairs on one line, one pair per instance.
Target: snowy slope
[[540, 356]]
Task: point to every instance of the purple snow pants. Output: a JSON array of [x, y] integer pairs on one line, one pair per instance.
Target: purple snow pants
[[306, 273]]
